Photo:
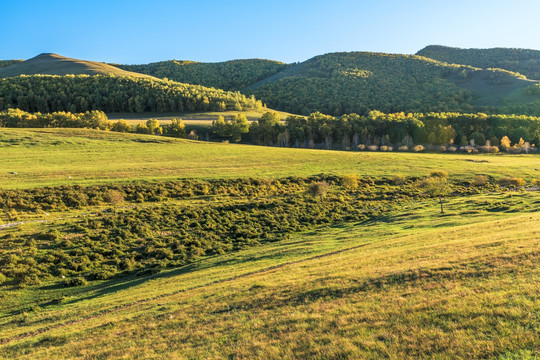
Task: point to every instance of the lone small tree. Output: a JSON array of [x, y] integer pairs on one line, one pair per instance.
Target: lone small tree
[[436, 186]]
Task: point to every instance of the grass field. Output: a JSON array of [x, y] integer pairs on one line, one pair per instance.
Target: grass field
[[409, 285], [65, 156], [398, 280]]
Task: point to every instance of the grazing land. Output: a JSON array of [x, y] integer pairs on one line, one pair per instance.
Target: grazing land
[[406, 284], [42, 157]]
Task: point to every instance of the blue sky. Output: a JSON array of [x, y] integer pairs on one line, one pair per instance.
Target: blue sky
[[133, 32]]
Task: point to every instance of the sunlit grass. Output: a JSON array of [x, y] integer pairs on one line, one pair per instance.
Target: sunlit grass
[[63, 156], [413, 284]]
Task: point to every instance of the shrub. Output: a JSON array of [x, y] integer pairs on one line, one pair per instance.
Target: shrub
[[418, 148], [400, 179], [142, 129], [403, 148], [361, 147], [386, 148], [319, 188], [373, 148], [3, 278], [76, 281], [512, 182], [350, 182], [121, 126], [535, 182], [439, 174], [103, 273], [480, 180], [114, 197]]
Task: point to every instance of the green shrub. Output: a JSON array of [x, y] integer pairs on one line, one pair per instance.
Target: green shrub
[[512, 182], [75, 281], [350, 182], [3, 278], [439, 174], [319, 188], [399, 179], [103, 273], [480, 180]]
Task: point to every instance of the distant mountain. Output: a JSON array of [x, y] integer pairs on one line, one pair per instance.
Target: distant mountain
[[340, 83], [523, 61], [227, 75], [53, 64]]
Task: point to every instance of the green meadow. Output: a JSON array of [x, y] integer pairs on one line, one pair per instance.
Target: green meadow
[[49, 157], [214, 250], [407, 285]]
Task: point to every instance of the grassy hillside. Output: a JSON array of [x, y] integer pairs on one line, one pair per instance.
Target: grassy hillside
[[523, 61], [227, 75], [72, 156], [409, 284], [245, 260], [53, 64], [357, 82]]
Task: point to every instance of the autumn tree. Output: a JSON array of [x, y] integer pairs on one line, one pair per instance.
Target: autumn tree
[[154, 127], [176, 128], [435, 186]]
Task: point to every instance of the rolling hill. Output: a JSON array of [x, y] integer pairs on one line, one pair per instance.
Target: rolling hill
[[227, 75], [340, 83], [53, 64], [523, 61], [335, 84], [50, 82]]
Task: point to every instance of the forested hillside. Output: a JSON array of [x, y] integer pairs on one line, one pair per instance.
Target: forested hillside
[[228, 75], [109, 93], [334, 84], [357, 82], [4, 63], [523, 61]]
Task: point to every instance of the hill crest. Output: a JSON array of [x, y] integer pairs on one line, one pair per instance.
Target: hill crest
[[54, 64]]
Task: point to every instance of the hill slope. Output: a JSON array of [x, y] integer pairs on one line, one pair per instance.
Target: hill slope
[[53, 64], [523, 61], [409, 285], [340, 83], [227, 75]]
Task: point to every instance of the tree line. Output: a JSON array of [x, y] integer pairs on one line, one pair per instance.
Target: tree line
[[352, 131], [377, 130]]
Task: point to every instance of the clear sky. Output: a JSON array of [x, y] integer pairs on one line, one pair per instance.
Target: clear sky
[[134, 32]]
